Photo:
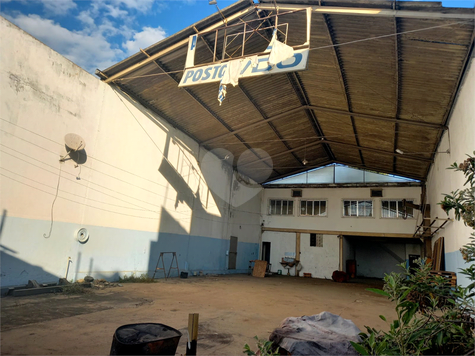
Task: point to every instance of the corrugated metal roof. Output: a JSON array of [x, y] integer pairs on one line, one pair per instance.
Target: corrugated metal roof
[[364, 99]]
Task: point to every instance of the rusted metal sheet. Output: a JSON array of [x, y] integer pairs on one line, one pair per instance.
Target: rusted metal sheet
[[369, 93]]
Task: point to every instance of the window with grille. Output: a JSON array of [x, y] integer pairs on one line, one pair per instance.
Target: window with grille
[[358, 208], [313, 208], [316, 240], [393, 209], [281, 207]]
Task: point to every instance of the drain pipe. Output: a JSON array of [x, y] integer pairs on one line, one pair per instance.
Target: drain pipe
[[67, 268]]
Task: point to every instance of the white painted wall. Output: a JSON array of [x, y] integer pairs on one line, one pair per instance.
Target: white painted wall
[[319, 261], [281, 245], [443, 181], [334, 219], [141, 190], [322, 261]]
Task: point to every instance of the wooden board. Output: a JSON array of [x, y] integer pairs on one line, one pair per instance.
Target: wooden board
[[259, 269], [437, 254], [451, 277]]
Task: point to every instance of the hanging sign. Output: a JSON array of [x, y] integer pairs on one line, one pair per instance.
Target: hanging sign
[[214, 72]]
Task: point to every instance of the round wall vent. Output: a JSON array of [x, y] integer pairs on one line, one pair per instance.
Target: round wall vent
[[82, 235]]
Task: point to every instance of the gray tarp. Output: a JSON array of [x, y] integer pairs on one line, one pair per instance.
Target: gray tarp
[[321, 334]]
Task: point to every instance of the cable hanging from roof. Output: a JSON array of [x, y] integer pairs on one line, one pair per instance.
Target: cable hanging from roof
[[323, 47]]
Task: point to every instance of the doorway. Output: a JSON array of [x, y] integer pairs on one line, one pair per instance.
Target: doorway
[[233, 243], [266, 252]]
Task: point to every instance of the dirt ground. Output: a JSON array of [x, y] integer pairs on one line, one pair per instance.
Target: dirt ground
[[232, 310]]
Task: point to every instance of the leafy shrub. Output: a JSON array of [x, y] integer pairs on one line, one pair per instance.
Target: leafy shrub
[[432, 317], [264, 348]]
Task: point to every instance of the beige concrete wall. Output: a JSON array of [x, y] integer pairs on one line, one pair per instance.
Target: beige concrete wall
[[372, 260], [140, 191], [460, 139], [334, 219]]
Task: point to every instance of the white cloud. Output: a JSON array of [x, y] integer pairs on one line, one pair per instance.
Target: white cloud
[[115, 11], [59, 7], [143, 39], [86, 18], [87, 50], [107, 35], [139, 5]]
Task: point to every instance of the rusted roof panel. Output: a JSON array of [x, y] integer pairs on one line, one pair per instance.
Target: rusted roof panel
[[393, 69]]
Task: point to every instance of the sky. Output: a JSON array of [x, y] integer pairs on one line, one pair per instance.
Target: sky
[[99, 33]]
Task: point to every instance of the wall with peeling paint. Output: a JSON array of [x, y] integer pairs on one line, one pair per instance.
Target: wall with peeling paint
[[140, 189]]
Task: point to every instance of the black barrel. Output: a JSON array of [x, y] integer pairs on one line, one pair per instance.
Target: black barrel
[[145, 339]]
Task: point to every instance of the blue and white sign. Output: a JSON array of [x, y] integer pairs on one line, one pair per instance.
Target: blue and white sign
[[214, 72], [190, 58]]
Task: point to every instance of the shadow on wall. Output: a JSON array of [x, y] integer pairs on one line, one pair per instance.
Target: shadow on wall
[[193, 252], [16, 272], [4, 218], [196, 253]]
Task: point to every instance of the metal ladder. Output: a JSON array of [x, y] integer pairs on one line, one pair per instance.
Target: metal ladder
[[160, 258]]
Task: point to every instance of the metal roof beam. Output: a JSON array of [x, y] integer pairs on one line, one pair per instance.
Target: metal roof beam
[[211, 112], [380, 118], [361, 11], [308, 145], [264, 116], [171, 48], [397, 78], [248, 126], [369, 149], [342, 77], [387, 153], [296, 84]]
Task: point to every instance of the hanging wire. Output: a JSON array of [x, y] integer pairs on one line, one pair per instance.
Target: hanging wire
[[329, 46], [52, 205]]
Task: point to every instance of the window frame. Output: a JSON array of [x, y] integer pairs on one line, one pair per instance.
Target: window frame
[[269, 207], [318, 237], [397, 200], [357, 200], [313, 208]]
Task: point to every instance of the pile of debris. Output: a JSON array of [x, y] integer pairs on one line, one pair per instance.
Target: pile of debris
[[90, 282], [63, 285]]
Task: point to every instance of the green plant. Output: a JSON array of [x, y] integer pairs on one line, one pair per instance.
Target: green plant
[[264, 348], [462, 202], [143, 278], [432, 317]]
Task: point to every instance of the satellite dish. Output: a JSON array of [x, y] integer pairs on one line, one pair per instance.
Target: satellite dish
[[74, 142]]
